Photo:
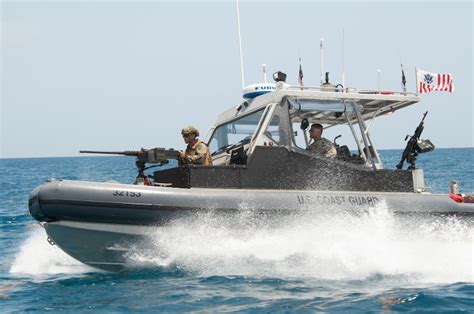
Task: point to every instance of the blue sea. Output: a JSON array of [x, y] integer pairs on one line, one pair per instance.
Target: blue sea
[[369, 263]]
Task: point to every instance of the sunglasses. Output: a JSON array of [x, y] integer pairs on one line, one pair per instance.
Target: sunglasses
[[186, 135]]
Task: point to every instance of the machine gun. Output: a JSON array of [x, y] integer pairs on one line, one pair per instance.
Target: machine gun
[[415, 146], [158, 156]]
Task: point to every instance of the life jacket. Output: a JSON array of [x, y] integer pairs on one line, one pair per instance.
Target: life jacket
[[192, 151]]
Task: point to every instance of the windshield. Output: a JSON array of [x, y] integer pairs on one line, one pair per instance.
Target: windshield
[[234, 132], [278, 130]]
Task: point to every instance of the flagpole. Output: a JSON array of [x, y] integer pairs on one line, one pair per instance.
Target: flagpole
[[416, 81]]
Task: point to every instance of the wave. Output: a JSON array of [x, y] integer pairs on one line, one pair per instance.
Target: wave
[[36, 257], [335, 246], [326, 246]]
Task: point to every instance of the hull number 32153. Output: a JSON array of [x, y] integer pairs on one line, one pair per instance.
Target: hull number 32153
[[126, 193]]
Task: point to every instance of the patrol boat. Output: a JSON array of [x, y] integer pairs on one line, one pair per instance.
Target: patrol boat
[[260, 163]]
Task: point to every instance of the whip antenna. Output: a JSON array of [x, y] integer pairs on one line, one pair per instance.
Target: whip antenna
[[264, 67], [240, 46], [343, 74], [379, 71], [322, 60]]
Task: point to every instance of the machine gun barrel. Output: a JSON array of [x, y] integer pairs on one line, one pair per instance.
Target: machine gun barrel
[[154, 155], [126, 153], [410, 152]]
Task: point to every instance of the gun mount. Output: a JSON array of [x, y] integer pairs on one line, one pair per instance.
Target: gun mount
[[415, 146], [158, 156]]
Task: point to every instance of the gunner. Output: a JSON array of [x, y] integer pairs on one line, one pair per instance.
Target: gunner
[[321, 146], [196, 152]]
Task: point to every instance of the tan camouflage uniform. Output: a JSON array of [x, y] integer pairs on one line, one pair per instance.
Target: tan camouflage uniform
[[198, 154], [323, 147]]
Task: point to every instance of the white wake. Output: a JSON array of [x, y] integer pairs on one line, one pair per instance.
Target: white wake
[[340, 246], [36, 257], [336, 246]]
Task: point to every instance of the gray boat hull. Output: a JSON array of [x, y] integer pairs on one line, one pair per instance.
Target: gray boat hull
[[100, 224]]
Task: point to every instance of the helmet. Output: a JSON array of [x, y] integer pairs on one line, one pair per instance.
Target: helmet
[[190, 129]]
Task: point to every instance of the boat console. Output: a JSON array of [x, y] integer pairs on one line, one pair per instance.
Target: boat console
[[256, 145]]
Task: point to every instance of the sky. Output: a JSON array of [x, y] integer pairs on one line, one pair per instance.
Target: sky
[[121, 75]]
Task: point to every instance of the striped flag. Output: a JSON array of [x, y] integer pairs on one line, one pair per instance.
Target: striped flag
[[404, 80], [300, 75], [428, 82]]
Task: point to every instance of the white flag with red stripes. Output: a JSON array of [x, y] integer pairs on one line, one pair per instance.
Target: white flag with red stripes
[[428, 82]]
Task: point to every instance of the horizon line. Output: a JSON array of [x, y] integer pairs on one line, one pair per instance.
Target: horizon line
[[99, 155]]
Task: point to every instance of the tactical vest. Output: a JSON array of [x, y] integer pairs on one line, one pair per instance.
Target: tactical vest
[[206, 160]]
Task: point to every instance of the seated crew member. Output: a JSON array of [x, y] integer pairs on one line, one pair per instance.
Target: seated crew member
[[321, 146], [196, 152]]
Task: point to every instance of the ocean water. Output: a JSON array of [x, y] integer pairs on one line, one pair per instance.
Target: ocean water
[[370, 263]]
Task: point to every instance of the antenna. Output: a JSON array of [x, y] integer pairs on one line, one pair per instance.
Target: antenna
[[264, 73], [322, 60], [343, 74], [378, 79], [240, 46]]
